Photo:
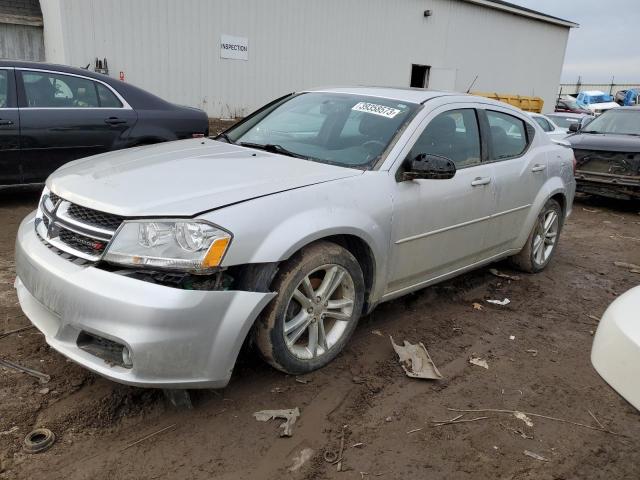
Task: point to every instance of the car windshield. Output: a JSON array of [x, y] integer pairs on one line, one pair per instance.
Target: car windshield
[[339, 129], [563, 122], [620, 121], [598, 98]]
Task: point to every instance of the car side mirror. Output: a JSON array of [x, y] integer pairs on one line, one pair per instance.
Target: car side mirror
[[574, 127], [429, 167]]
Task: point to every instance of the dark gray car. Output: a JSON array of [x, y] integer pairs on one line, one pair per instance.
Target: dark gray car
[[607, 152], [52, 114]]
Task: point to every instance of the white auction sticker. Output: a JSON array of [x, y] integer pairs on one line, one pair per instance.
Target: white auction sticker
[[376, 109]]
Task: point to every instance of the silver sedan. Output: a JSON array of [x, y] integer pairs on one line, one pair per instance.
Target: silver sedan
[[152, 266]]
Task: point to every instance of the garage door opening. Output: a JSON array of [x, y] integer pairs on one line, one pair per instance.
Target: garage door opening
[[420, 76]]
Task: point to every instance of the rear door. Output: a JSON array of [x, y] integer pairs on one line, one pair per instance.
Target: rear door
[[520, 172], [9, 130], [65, 117]]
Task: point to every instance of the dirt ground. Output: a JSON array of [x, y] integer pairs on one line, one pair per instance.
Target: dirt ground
[[537, 349]]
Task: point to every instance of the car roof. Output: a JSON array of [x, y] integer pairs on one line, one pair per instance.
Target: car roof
[[53, 66], [414, 95], [135, 96], [411, 95]]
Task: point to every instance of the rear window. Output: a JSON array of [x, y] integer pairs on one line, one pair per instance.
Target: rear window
[[564, 122], [54, 90], [107, 98], [508, 135], [546, 126]]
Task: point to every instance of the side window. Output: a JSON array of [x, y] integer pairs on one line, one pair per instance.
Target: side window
[[508, 135], [4, 88], [107, 98], [546, 126], [453, 134], [51, 90]]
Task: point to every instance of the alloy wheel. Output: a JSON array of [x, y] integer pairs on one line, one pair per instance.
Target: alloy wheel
[[546, 237], [319, 311]]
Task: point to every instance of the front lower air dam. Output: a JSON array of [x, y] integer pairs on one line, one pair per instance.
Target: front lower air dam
[[616, 346]]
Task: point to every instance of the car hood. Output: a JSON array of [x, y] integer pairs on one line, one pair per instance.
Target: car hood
[[184, 178], [605, 141]]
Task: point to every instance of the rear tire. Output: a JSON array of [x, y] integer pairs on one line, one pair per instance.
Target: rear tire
[[320, 297], [543, 240]]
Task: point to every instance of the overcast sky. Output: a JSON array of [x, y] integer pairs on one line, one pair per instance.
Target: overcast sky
[[606, 44]]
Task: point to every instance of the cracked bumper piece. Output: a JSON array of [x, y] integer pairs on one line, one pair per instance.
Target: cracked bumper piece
[[616, 346], [173, 338]]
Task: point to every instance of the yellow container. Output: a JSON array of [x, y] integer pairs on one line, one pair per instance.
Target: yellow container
[[528, 104]]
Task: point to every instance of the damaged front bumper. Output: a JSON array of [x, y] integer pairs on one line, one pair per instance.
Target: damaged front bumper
[[128, 330], [624, 187]]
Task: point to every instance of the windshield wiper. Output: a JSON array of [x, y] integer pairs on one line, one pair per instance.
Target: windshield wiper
[[225, 137], [273, 148], [589, 131]]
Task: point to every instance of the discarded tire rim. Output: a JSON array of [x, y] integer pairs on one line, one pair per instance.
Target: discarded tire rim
[[39, 440]]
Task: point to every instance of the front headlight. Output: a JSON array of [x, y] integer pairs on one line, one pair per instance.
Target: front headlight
[[186, 245]]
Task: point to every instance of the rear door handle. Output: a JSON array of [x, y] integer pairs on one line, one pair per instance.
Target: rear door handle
[[115, 121], [481, 181], [538, 168], [6, 122]]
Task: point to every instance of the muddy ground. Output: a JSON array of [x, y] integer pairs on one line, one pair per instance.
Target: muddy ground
[[537, 349]]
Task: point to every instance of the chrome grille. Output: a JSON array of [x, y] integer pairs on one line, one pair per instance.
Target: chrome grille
[[94, 218], [79, 231]]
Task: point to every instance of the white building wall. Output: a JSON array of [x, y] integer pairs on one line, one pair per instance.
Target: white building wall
[[172, 48]]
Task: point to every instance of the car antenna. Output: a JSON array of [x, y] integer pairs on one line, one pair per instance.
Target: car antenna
[[472, 84]]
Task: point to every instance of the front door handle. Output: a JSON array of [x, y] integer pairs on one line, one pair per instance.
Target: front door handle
[[481, 181], [538, 168], [115, 121], [6, 122]]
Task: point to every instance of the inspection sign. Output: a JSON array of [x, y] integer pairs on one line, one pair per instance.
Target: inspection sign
[[235, 48]]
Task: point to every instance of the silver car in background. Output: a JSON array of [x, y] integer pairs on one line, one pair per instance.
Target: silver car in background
[[152, 266]]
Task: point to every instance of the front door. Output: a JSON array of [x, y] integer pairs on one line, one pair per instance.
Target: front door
[[440, 226], [65, 117], [9, 130]]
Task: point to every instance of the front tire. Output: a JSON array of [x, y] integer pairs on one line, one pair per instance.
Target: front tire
[[320, 297], [543, 240]]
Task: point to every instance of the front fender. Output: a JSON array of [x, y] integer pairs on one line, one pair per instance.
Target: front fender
[[272, 228], [297, 231]]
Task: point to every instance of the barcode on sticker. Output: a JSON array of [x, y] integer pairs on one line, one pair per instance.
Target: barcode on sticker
[[376, 109]]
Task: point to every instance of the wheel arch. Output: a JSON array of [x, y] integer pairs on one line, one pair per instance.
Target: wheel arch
[[553, 190], [561, 198], [258, 277], [363, 253]]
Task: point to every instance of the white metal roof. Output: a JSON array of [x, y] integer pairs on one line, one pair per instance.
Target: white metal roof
[[523, 12]]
